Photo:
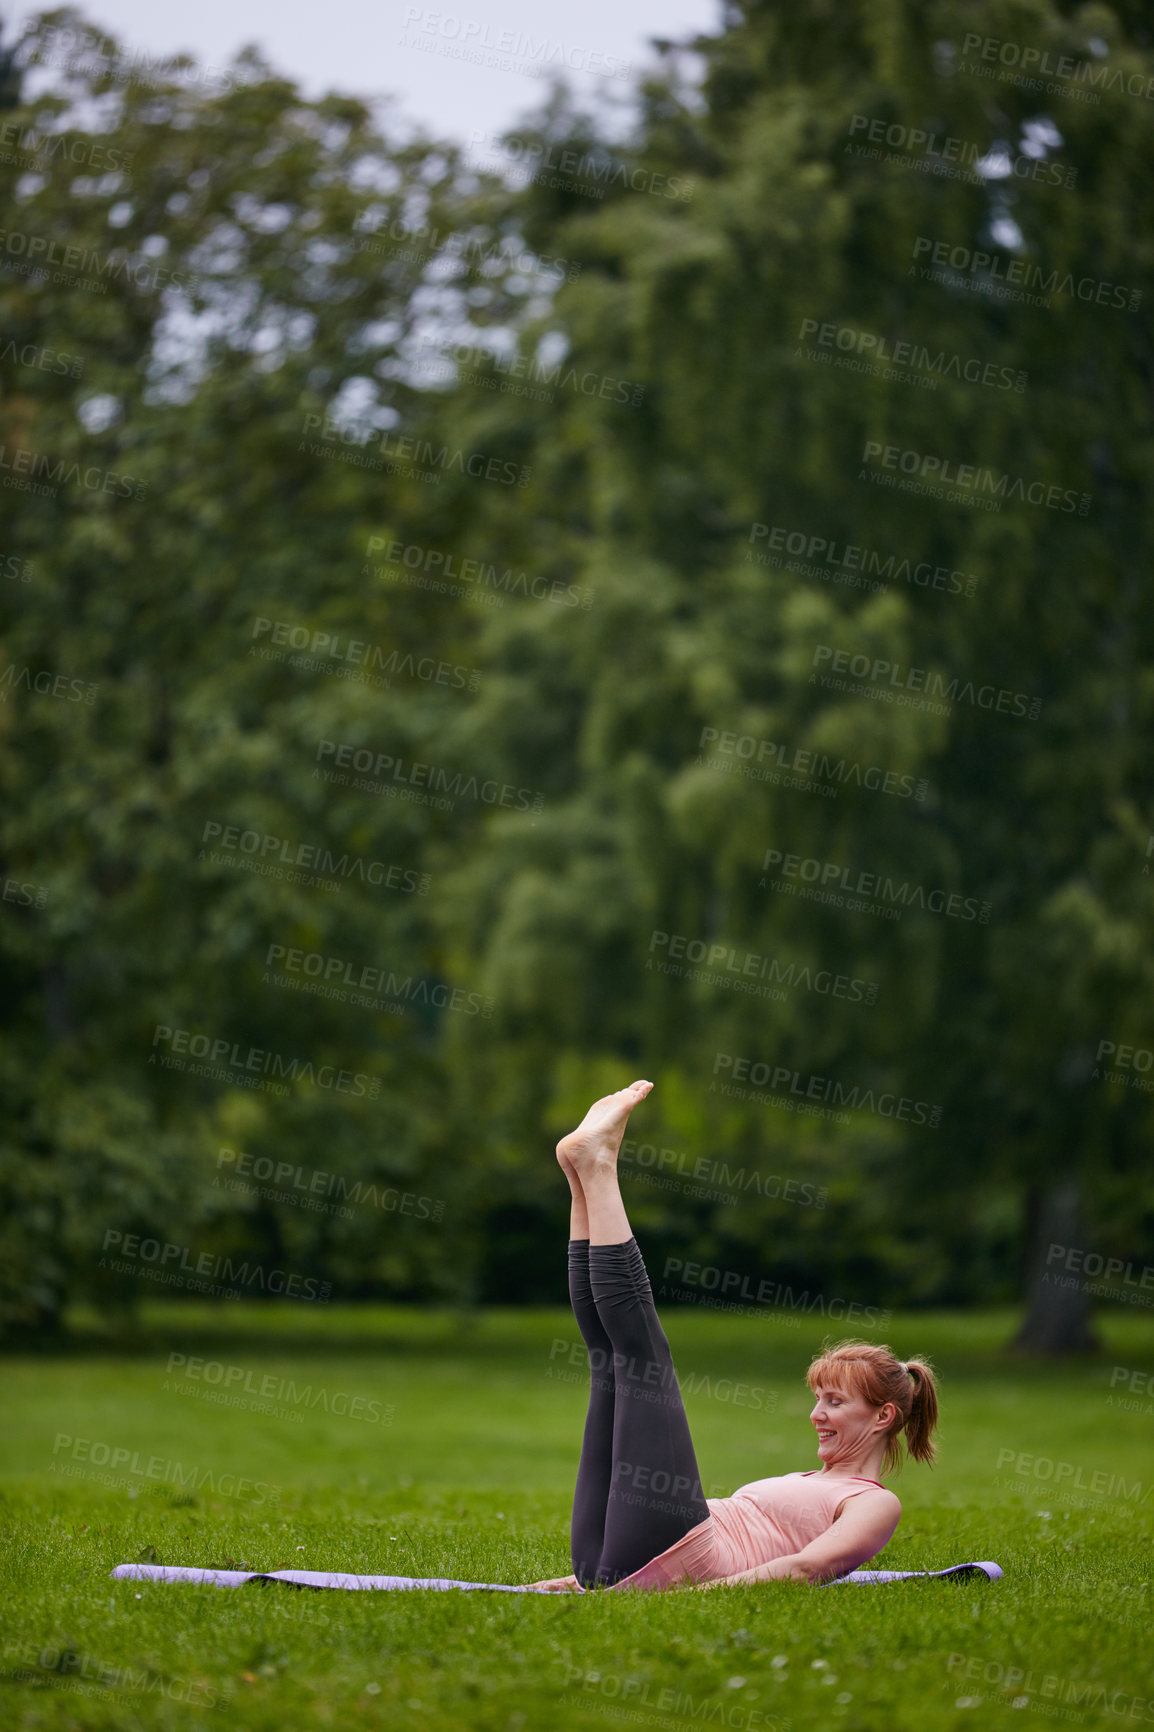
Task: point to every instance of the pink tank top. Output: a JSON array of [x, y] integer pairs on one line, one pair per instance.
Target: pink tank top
[[766, 1519]]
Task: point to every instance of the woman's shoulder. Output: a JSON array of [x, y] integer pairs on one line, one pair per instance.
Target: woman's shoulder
[[871, 1495], [865, 1493]]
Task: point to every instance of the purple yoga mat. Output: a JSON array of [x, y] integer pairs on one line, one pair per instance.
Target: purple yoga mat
[[961, 1572], [337, 1579], [298, 1578]]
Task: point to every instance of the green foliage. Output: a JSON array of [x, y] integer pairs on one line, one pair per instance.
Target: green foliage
[[260, 375]]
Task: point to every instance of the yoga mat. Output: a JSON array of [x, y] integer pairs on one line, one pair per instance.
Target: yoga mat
[[335, 1579], [960, 1572], [300, 1578]]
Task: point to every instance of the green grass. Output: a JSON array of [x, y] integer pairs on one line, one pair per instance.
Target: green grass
[[473, 1479]]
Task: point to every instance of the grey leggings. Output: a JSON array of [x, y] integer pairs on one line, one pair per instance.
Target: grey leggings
[[638, 1488]]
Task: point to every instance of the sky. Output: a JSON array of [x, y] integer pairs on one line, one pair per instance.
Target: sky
[[469, 73]]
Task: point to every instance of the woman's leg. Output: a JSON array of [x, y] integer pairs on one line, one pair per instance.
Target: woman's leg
[[594, 1475], [649, 1477]]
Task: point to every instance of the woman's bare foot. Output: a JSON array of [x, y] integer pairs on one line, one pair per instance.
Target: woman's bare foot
[[569, 1171], [558, 1585], [598, 1137]]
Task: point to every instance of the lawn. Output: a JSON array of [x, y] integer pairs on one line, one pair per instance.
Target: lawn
[[430, 1443]]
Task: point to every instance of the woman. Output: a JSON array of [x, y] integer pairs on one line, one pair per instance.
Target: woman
[[640, 1519]]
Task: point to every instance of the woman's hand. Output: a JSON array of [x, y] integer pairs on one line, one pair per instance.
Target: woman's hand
[[558, 1585]]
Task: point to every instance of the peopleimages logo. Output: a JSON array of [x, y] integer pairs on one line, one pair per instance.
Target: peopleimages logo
[[272, 854], [319, 648], [1138, 1382], [406, 448], [1019, 273], [780, 1079], [28, 894], [84, 49], [47, 684], [81, 152], [879, 672], [174, 1473], [1029, 65], [731, 1283], [507, 252], [29, 471], [41, 253], [375, 766], [472, 360], [64, 1667], [848, 555], [870, 347], [41, 360], [818, 772], [13, 567], [676, 1169], [596, 170], [642, 1700], [1122, 1062], [432, 564], [1093, 1263], [834, 882], [476, 38], [132, 1251], [221, 1051], [1046, 1693], [750, 964], [347, 981], [237, 1381], [970, 482], [939, 154], [1102, 1483], [360, 1192]]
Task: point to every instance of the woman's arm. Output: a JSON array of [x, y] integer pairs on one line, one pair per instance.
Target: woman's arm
[[866, 1524]]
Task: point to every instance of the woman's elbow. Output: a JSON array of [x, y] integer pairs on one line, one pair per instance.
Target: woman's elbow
[[831, 1570]]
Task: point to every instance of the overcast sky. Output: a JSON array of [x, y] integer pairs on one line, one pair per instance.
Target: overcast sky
[[460, 71]]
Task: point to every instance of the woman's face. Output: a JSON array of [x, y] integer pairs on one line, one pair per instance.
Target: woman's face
[[846, 1424]]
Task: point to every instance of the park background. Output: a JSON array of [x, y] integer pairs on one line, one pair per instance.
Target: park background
[[421, 564]]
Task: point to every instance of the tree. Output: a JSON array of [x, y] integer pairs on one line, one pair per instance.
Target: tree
[[650, 485], [795, 354]]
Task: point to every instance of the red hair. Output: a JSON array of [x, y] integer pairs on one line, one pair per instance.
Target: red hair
[[878, 1376]]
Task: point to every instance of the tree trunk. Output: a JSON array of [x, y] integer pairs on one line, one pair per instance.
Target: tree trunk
[[1057, 1316]]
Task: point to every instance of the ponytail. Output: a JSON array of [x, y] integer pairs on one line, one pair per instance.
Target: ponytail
[[922, 1419]]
